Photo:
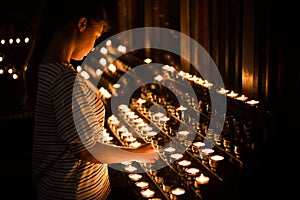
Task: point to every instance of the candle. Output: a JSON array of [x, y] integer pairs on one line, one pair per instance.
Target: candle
[[176, 156], [147, 193], [182, 135], [140, 101], [175, 193], [184, 163], [135, 144], [222, 91], [170, 149], [135, 177], [192, 171], [242, 98], [252, 102], [201, 179], [142, 184], [130, 168], [232, 94], [214, 160], [197, 146], [217, 157]]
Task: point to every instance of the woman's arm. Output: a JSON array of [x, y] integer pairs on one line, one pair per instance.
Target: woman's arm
[[108, 154]]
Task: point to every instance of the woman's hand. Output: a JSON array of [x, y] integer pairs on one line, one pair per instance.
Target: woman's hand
[[146, 153]]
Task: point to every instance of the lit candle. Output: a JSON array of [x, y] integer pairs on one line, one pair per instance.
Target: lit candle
[[142, 184], [252, 102], [214, 160], [176, 156], [207, 84], [216, 157], [182, 135], [135, 144], [192, 171], [241, 98], [140, 101], [130, 168], [222, 91], [170, 149], [135, 177], [197, 146], [184, 163], [130, 139], [232, 94], [147, 193], [175, 193], [201, 180]]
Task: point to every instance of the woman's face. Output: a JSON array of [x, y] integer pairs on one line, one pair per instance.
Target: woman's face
[[86, 38]]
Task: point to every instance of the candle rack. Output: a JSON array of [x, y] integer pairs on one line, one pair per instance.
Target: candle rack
[[236, 142]]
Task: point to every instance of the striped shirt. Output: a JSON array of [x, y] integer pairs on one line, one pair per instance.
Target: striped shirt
[[69, 117]]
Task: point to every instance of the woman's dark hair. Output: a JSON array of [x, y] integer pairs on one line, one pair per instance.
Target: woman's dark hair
[[55, 14]]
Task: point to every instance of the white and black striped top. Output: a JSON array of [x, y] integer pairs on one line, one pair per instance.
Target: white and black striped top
[[68, 118]]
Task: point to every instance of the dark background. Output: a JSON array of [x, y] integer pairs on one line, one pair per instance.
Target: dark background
[[274, 58]]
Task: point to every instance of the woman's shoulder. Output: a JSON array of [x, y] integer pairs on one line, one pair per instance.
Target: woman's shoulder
[[57, 67]]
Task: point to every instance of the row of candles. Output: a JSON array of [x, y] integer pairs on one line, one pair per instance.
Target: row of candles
[[170, 72], [233, 147], [147, 132], [169, 154]]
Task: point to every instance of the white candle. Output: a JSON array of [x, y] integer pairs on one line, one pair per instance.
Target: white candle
[[130, 168], [176, 156], [252, 102], [184, 163], [178, 191], [202, 179], [170, 149], [192, 171], [242, 98], [142, 184], [232, 94], [147, 193], [217, 158], [222, 91], [135, 177]]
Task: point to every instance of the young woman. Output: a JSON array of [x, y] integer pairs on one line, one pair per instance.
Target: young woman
[[68, 160]]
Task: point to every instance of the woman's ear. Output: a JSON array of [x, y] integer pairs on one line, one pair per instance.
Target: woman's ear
[[81, 24]]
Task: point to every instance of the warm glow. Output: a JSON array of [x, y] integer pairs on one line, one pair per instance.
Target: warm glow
[[158, 78], [15, 76], [130, 168], [85, 75], [202, 179], [192, 171], [170, 149], [222, 91], [142, 184], [122, 49], [242, 98], [103, 61], [148, 60], [184, 163], [232, 94], [147, 193], [217, 157], [103, 50], [178, 191], [252, 102], [26, 40], [108, 43], [141, 101], [198, 144], [176, 156], [112, 68], [135, 177]]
